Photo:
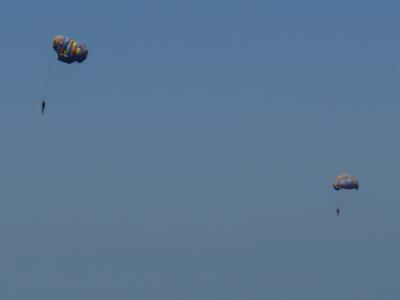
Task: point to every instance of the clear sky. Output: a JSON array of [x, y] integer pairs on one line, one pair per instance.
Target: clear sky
[[192, 155]]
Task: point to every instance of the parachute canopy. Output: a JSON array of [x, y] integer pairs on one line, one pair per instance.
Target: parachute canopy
[[346, 182], [69, 50]]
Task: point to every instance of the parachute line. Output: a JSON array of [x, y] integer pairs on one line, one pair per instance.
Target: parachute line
[[70, 53]]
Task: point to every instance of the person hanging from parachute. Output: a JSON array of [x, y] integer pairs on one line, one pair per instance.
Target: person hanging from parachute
[[68, 51], [42, 105], [344, 182]]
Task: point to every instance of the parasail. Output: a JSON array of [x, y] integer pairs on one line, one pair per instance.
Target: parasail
[[346, 182], [69, 50]]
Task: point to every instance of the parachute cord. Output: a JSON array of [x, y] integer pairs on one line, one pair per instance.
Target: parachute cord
[[47, 76], [56, 85], [69, 74], [339, 203], [53, 80], [57, 78]]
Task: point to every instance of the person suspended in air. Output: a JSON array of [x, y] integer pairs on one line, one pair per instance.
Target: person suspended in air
[[42, 106], [337, 212]]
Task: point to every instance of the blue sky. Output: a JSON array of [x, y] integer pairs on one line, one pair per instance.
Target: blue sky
[[192, 155]]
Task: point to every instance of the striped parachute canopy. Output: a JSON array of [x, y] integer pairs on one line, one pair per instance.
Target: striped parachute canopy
[[346, 182], [69, 50]]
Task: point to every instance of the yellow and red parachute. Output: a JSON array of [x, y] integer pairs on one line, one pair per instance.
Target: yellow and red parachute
[[69, 50]]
